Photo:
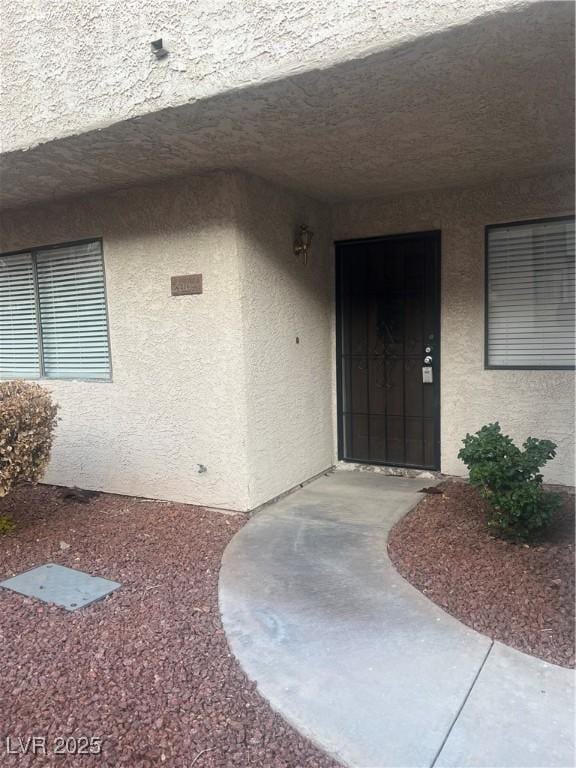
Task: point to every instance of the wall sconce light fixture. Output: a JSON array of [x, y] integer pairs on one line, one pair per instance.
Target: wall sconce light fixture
[[303, 242]]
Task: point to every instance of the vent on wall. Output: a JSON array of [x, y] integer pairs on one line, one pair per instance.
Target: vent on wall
[[158, 48]]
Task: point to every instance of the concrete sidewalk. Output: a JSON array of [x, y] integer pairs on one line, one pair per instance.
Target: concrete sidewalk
[[360, 661]]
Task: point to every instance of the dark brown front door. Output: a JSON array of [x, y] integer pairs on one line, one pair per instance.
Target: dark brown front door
[[388, 332]]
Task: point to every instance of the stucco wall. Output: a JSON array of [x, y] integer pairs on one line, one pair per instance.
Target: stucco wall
[[67, 66], [538, 403], [289, 384], [177, 396], [218, 380]]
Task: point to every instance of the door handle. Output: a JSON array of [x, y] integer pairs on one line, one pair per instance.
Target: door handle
[[428, 360]]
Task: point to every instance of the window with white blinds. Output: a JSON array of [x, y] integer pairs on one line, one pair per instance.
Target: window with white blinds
[[530, 295], [53, 318], [18, 318]]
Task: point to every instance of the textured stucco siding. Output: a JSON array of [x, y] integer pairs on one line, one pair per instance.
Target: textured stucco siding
[[74, 65], [218, 380], [290, 435], [177, 396], [537, 403]]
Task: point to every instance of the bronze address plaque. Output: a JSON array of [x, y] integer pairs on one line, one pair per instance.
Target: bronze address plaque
[[186, 285]]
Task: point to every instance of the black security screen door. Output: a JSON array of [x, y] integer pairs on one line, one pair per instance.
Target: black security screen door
[[388, 350]]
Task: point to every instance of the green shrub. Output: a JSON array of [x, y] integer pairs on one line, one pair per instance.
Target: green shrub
[[6, 525], [509, 480], [27, 421]]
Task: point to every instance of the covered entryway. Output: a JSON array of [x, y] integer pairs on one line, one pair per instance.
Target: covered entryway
[[449, 125], [388, 350]]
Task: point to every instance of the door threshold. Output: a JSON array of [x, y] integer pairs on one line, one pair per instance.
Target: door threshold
[[425, 474]]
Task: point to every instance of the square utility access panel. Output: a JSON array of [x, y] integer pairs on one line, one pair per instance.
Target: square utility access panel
[[66, 587]]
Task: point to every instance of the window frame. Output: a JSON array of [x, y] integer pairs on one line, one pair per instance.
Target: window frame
[[33, 255], [487, 365]]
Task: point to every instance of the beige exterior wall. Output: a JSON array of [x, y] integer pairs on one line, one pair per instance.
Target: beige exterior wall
[[216, 380], [69, 66], [177, 396], [537, 403], [290, 400]]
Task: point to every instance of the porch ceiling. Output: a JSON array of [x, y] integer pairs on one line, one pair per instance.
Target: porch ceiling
[[492, 98]]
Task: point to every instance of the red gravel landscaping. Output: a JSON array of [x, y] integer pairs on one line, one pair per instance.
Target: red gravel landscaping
[[148, 669], [518, 594]]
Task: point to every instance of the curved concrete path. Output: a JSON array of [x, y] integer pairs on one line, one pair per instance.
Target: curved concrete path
[[360, 661]]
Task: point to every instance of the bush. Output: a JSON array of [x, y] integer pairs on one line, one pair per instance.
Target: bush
[[6, 525], [509, 480], [27, 421]]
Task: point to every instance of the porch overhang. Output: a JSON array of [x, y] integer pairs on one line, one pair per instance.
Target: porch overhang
[[489, 99]]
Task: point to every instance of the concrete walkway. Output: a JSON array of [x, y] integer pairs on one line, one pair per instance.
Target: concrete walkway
[[361, 662]]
